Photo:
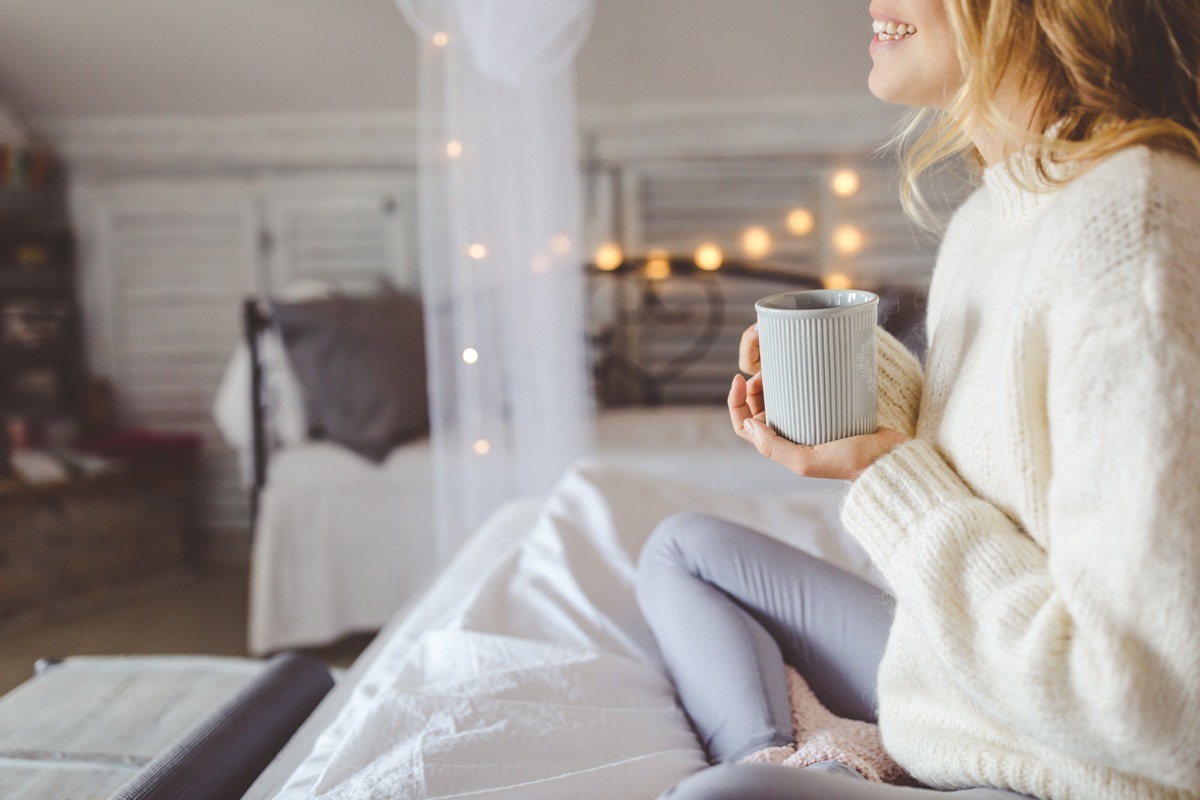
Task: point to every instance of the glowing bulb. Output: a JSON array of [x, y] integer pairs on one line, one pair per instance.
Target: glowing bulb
[[454, 149], [756, 242], [800, 222], [561, 244], [847, 239], [709, 257], [609, 257], [470, 355], [477, 251], [482, 447], [837, 280], [658, 265], [845, 183], [440, 39], [539, 264]]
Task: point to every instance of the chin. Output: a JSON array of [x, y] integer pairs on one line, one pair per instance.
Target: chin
[[885, 92]]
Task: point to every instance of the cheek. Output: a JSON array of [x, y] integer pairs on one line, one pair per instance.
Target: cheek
[[942, 65]]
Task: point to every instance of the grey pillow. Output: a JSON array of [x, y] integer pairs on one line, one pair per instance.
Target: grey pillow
[[360, 361]]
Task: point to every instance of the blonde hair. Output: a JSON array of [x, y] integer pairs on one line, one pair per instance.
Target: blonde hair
[[1101, 75]]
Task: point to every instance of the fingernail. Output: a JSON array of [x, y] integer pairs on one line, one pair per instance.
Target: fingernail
[[749, 425]]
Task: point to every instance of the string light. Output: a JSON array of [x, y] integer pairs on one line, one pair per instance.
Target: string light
[[709, 257], [847, 239], [470, 355], [561, 244], [440, 39], [539, 264], [454, 148], [658, 265], [837, 280], [800, 222], [482, 447], [845, 183], [756, 241], [477, 251], [609, 257]]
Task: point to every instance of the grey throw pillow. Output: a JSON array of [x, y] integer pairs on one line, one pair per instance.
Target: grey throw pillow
[[361, 364]]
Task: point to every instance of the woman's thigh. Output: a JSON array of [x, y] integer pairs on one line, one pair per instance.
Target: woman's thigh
[[830, 625]]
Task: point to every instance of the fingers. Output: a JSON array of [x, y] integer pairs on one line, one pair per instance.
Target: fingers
[[739, 409], [754, 395], [748, 353], [800, 459]]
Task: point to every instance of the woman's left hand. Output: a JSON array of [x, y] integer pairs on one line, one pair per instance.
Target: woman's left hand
[[844, 459]]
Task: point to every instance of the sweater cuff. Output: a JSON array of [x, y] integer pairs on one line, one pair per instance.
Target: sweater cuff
[[900, 383], [890, 498]]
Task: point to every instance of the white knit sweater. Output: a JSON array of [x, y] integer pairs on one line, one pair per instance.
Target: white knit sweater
[[1042, 531]]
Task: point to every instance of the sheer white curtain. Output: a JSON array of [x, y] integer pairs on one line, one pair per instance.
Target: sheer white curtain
[[500, 249]]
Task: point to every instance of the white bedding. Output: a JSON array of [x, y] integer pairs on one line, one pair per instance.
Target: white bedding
[[541, 680], [341, 543]]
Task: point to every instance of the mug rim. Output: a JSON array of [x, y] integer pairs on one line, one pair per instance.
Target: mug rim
[[767, 305]]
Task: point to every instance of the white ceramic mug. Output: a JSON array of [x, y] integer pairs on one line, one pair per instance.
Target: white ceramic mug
[[818, 353]]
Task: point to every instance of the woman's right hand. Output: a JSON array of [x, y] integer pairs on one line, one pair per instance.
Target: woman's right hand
[[748, 357]]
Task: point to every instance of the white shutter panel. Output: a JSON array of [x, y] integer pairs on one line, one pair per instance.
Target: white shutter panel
[[179, 262], [344, 229], [677, 206]]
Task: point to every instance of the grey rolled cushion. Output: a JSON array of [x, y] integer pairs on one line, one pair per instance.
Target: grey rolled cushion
[[361, 365], [223, 755]]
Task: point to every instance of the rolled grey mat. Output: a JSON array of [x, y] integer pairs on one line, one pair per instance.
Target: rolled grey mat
[[222, 756]]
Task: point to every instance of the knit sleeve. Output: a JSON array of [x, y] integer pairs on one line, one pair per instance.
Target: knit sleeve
[[899, 384], [1090, 645]]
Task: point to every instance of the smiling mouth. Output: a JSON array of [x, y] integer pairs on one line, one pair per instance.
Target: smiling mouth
[[890, 31]]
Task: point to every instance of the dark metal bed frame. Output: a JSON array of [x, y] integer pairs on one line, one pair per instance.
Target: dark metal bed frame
[[652, 308], [254, 321]]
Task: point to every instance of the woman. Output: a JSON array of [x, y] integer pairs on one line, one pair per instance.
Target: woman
[[1033, 499]]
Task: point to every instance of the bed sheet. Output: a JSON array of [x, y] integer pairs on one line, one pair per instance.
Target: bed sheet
[[542, 680], [341, 543]]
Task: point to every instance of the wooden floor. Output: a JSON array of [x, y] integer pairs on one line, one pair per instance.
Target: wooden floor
[[199, 612]]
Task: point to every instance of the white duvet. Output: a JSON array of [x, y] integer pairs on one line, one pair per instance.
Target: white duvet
[[542, 681]]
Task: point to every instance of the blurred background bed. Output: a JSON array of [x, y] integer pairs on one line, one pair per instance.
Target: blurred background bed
[[344, 519]]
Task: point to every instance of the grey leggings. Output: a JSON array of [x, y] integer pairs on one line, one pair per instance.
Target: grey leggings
[[729, 607]]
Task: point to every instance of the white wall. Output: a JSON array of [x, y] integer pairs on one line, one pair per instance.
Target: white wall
[[198, 57], [82, 58], [649, 51]]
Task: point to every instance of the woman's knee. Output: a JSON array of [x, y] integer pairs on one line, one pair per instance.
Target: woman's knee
[[665, 554], [666, 544], [685, 539]]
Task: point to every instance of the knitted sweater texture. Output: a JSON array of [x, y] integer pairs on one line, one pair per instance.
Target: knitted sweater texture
[[1041, 532]]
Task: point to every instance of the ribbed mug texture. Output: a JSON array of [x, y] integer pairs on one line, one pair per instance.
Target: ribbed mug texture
[[818, 353]]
